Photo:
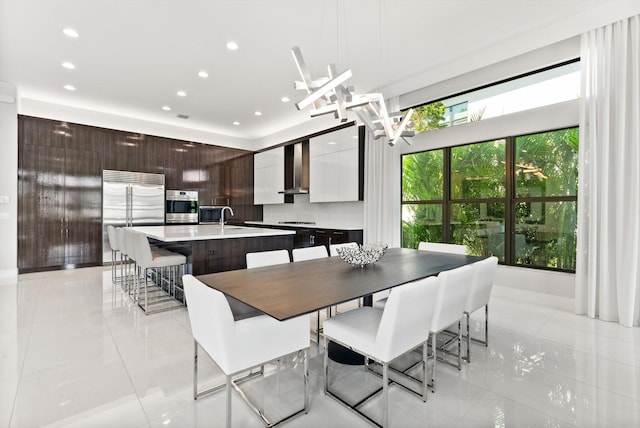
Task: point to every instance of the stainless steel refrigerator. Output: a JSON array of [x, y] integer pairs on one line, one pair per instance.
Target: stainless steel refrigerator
[[130, 199]]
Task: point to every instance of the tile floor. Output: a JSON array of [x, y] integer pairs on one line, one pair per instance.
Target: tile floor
[[75, 352]]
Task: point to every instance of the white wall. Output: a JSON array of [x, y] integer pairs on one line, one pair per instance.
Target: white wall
[[8, 180], [329, 213]]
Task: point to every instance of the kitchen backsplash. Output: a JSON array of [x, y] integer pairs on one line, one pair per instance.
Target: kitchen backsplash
[[348, 213]]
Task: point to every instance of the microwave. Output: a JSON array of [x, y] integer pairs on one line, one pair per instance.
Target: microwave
[[209, 214]]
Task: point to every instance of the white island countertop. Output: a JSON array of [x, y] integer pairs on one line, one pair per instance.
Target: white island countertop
[[201, 232]]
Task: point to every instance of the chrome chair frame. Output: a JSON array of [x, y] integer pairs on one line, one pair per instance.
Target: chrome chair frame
[[231, 384], [387, 370]]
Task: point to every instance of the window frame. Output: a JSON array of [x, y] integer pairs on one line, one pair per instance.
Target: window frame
[[510, 200]]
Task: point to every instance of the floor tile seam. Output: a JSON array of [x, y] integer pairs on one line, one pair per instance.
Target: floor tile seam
[[124, 366]]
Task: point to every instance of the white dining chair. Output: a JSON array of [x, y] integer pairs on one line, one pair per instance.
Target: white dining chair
[[239, 346], [479, 294], [333, 248], [453, 288], [431, 246], [385, 335], [442, 247], [311, 253], [267, 258]]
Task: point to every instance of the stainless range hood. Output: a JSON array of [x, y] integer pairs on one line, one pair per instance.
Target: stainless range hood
[[296, 169]]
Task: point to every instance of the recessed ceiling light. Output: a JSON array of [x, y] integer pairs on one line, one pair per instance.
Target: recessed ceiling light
[[232, 46], [236, 123], [70, 87], [285, 99], [332, 143], [181, 93], [70, 32], [68, 65], [203, 74], [166, 108], [258, 113]]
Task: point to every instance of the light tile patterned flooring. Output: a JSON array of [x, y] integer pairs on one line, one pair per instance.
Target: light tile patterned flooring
[[75, 352]]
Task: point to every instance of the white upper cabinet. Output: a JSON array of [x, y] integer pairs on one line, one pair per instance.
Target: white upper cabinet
[[334, 168], [268, 177]]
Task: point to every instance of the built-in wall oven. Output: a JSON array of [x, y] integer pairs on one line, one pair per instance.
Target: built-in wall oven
[[181, 207]]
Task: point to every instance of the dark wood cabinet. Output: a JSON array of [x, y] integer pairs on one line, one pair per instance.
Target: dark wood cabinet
[[152, 155], [60, 168], [311, 237], [240, 170], [59, 222], [182, 166], [328, 237], [219, 255], [214, 175]]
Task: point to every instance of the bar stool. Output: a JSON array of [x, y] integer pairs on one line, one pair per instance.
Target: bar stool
[[113, 243], [146, 260], [121, 243]]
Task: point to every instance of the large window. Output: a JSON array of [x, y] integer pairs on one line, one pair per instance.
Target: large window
[[514, 198], [555, 84]]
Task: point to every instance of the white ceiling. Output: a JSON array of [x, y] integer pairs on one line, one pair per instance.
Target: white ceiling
[[133, 56]]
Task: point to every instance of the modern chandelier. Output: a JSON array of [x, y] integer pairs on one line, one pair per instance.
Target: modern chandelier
[[330, 95]]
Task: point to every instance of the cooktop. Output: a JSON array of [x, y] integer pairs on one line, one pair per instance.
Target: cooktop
[[296, 222]]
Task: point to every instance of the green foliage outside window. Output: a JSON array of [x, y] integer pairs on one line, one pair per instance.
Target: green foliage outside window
[[428, 117], [545, 171]]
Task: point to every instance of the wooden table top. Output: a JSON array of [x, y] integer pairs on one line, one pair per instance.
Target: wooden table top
[[292, 289]]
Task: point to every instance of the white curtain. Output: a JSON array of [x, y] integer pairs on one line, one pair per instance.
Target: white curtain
[[379, 219], [608, 265]]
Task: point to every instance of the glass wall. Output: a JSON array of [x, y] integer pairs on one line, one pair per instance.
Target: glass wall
[[515, 198]]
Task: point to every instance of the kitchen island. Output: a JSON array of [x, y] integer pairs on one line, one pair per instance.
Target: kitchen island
[[210, 248]]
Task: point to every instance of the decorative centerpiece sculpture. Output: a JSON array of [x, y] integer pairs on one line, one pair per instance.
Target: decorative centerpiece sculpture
[[362, 255]]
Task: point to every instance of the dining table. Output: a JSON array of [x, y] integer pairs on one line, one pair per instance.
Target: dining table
[[290, 290]]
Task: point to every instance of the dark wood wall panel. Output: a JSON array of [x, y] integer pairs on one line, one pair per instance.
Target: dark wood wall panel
[[60, 184]]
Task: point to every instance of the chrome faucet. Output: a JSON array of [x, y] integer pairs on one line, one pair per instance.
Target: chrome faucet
[[222, 215]]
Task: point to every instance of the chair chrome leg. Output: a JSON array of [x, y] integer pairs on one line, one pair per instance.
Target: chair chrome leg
[[459, 346], [326, 365], [468, 338], [195, 370], [385, 395], [229, 401], [434, 348], [486, 325], [306, 381], [146, 301], [424, 369]]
